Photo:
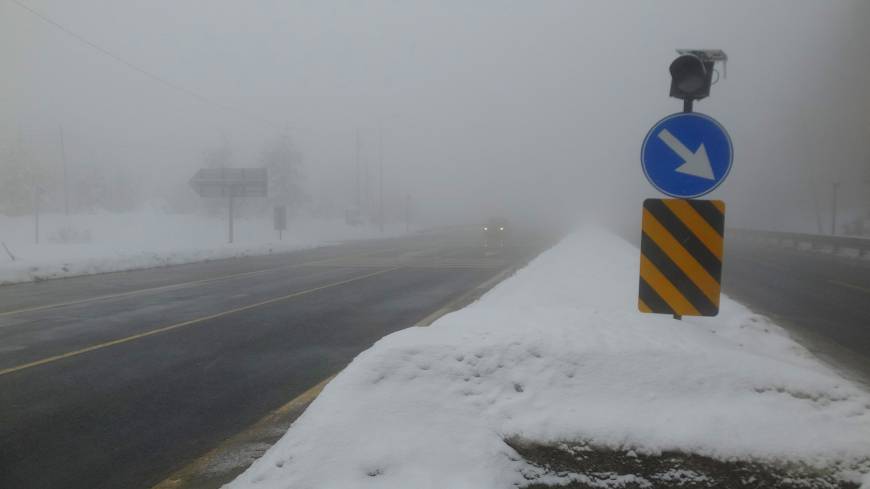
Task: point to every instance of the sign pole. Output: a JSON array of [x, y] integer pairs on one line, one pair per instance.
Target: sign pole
[[229, 183], [280, 220], [687, 109], [685, 155]]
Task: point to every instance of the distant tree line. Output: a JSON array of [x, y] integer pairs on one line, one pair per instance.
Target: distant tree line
[[27, 181]]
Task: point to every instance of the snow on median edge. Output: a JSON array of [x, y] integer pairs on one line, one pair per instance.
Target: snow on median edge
[[555, 353]]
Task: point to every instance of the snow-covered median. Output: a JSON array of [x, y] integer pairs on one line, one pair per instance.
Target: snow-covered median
[[557, 354], [104, 242]]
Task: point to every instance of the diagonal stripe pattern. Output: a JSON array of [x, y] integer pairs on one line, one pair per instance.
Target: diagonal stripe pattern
[[681, 256]]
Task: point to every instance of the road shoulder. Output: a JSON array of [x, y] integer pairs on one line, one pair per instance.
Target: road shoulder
[[233, 456], [229, 459]]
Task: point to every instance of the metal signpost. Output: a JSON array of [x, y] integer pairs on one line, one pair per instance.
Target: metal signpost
[[280, 218], [230, 183], [685, 155]]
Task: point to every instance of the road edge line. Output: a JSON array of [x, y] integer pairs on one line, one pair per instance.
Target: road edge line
[[262, 431], [466, 298], [185, 477]]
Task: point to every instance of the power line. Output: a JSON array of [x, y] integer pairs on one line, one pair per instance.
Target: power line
[[140, 70]]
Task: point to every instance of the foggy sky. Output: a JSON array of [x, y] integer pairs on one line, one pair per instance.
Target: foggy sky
[[528, 109]]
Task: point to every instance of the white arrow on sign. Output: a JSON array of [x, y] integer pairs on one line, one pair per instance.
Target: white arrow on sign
[[695, 163]]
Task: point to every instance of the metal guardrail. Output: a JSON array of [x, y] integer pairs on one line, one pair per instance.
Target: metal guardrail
[[815, 241]]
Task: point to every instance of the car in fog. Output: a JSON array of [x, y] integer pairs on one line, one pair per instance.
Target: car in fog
[[495, 233]]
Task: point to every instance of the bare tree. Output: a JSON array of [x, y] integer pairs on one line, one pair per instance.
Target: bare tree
[[20, 174], [221, 156], [286, 175]]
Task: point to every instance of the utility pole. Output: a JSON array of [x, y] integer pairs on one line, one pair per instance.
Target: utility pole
[[866, 202], [407, 213], [36, 214], [381, 178], [818, 208], [230, 217], [358, 182], [366, 189], [230, 202], [65, 183], [35, 195], [834, 209], [34, 189]]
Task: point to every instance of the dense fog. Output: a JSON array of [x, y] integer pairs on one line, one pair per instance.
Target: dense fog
[[530, 110]]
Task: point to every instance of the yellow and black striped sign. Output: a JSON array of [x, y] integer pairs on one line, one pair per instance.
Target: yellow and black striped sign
[[681, 256]]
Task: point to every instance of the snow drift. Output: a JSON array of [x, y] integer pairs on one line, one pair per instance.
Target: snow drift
[[559, 352], [105, 242]]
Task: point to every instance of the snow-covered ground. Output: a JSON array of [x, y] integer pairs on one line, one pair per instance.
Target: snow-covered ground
[[104, 242], [559, 353]]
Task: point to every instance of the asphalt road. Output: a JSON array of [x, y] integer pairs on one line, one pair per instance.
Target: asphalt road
[[821, 298], [116, 380]]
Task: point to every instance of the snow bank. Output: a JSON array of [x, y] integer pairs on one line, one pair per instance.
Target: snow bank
[[558, 352], [104, 242]]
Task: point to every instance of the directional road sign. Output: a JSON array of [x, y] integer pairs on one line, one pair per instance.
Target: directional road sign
[[231, 182], [280, 218], [681, 256], [686, 155]]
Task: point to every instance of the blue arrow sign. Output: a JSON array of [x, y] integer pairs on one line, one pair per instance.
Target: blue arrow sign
[[686, 155]]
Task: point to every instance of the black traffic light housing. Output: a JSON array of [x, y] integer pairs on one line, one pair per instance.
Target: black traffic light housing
[[692, 74], [691, 77]]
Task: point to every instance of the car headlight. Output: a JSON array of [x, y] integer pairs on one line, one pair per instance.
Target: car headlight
[[485, 228], [501, 229]]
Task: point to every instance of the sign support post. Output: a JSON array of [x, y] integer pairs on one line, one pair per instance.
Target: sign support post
[[685, 156], [229, 183], [280, 220]]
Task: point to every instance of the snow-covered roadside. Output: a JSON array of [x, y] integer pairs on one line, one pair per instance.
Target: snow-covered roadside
[[99, 243], [558, 352]]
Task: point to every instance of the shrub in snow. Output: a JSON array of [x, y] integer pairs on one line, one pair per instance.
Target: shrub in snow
[[69, 235]]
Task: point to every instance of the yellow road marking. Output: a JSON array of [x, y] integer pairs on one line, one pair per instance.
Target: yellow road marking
[[665, 289], [851, 286], [187, 475], [682, 258], [464, 299], [182, 285], [696, 224], [171, 327]]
